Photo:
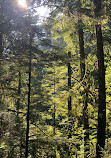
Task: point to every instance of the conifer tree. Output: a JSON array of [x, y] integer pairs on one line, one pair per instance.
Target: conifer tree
[[29, 93], [85, 98], [69, 98], [101, 82]]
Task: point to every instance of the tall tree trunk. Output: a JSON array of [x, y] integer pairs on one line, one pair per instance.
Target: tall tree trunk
[[69, 101], [0, 79], [101, 82], [0, 62], [69, 98], [29, 90], [54, 110], [102, 95], [0, 48], [85, 99], [18, 125]]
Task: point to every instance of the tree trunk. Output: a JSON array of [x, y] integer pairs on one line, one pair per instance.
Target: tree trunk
[[0, 78], [19, 92], [85, 100], [0, 48], [28, 107], [0, 62], [102, 95], [101, 82], [82, 54], [69, 98], [69, 101], [54, 110]]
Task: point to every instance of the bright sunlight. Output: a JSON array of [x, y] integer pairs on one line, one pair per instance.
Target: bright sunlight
[[22, 3]]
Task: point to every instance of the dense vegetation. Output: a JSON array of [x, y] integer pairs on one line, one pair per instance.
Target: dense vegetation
[[55, 81]]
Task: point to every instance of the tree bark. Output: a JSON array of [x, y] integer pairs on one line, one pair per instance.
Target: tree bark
[[82, 54], [0, 62], [101, 82], [85, 99], [54, 110], [69, 98], [0, 77], [102, 95], [29, 92], [0, 48]]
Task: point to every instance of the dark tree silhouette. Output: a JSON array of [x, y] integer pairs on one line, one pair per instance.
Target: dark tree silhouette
[[29, 93], [101, 81], [85, 100]]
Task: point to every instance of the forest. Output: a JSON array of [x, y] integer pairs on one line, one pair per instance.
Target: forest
[[55, 79]]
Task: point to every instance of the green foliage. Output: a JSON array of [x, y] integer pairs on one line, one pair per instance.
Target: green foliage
[[52, 40]]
